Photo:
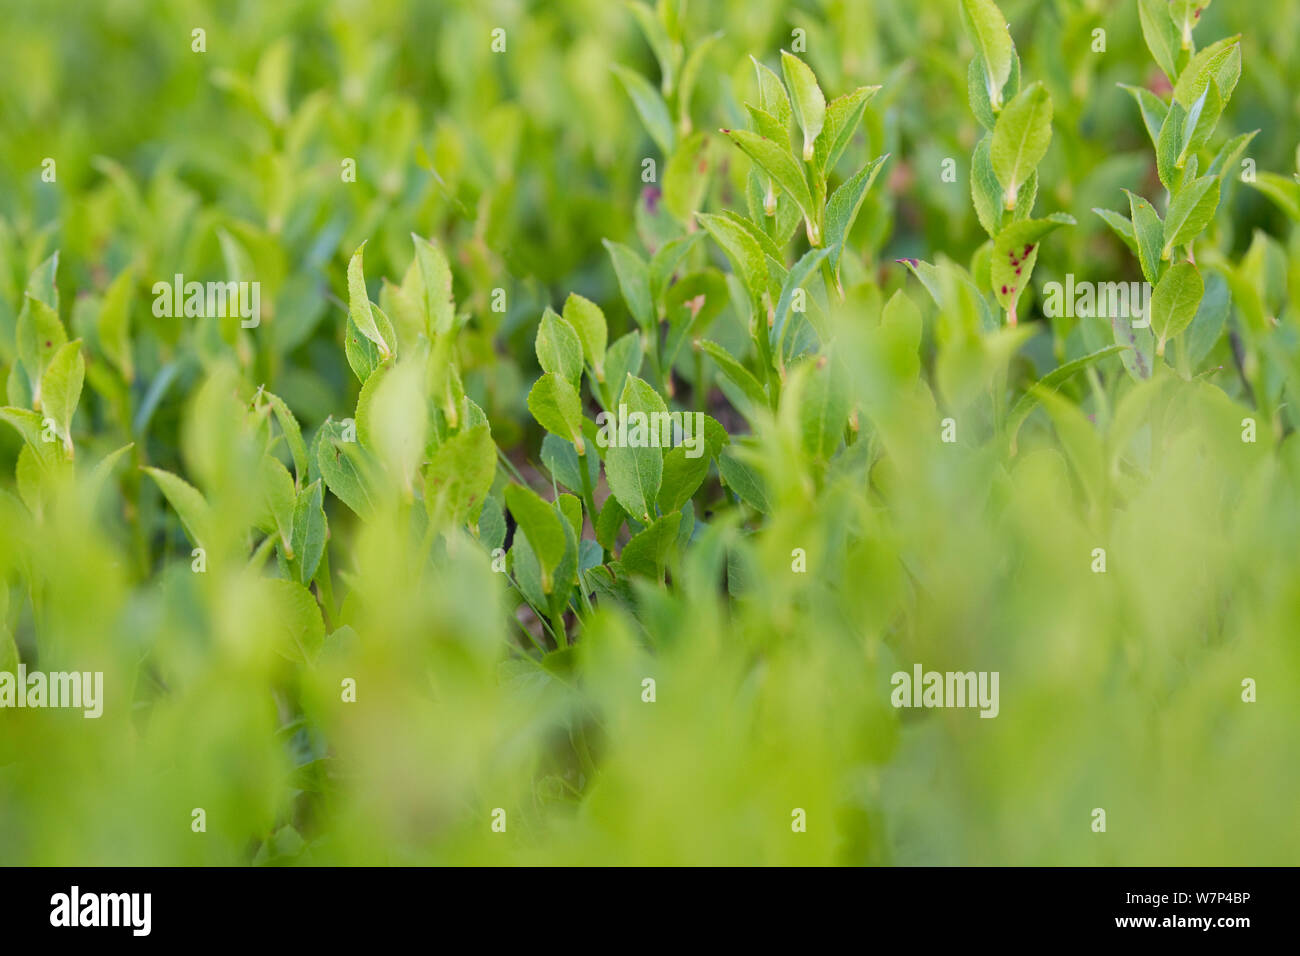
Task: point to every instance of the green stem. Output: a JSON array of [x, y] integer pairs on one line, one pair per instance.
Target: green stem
[[510, 467], [588, 493], [701, 385], [528, 634], [587, 608], [765, 354], [832, 282], [325, 587]]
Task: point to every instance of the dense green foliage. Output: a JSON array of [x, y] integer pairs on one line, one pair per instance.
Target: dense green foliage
[[367, 580]]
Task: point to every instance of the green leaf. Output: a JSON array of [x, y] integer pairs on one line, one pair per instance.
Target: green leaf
[[1220, 62], [1050, 383], [985, 190], [779, 221], [1284, 192], [799, 274], [634, 472], [1020, 140], [435, 276], [842, 210], [715, 435], [235, 257], [292, 434], [1152, 108], [30, 426], [1080, 439], [650, 106], [30, 480], [1161, 35], [1150, 235], [295, 620], [623, 358], [736, 372], [747, 259], [648, 551], [686, 177], [1168, 145], [104, 467], [667, 53], [61, 388], [633, 281], [824, 407], [772, 95], [977, 88], [843, 116], [743, 480], [188, 503], [682, 477], [1139, 345], [608, 523], [359, 308], [41, 284], [1185, 14], [364, 355], [777, 161], [571, 509], [765, 242], [492, 524], [665, 262], [565, 464], [113, 324], [1122, 227], [952, 288], [895, 344], [771, 118], [690, 73], [365, 405], [588, 321], [347, 468], [558, 408], [460, 475], [640, 396], [40, 336], [1229, 155], [559, 349], [988, 29], [308, 537], [1211, 316], [279, 499], [1015, 250], [807, 100], [1174, 302], [541, 524], [393, 418], [1201, 120], [566, 572], [1191, 210]]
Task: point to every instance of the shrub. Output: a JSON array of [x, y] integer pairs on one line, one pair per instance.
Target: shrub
[[532, 453]]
